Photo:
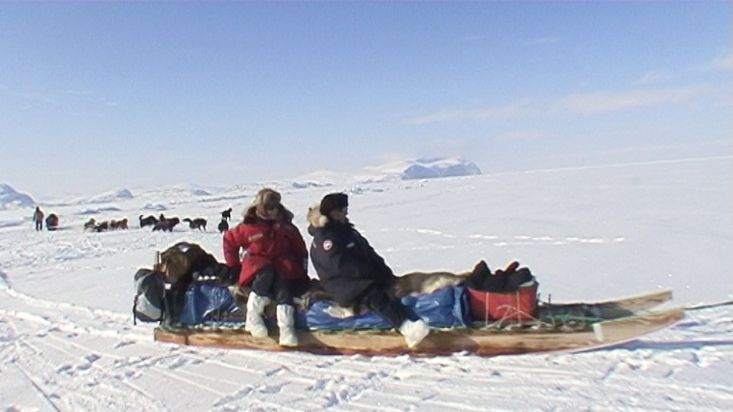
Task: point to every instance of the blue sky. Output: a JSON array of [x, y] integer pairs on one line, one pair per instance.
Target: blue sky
[[97, 96]]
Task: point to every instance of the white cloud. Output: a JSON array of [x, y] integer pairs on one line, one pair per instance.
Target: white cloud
[[524, 135], [484, 113], [654, 76], [722, 62], [579, 104], [596, 103]]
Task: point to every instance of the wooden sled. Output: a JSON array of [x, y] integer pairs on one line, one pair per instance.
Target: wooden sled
[[618, 321]]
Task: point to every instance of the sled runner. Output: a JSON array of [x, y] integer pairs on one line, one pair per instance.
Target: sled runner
[[559, 327]]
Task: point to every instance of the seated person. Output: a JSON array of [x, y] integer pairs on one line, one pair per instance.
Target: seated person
[[351, 271], [274, 265]]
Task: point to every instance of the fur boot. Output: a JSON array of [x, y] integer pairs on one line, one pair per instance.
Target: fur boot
[[286, 324], [254, 323], [414, 331]]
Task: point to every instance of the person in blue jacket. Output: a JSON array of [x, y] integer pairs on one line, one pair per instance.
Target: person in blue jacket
[[351, 271]]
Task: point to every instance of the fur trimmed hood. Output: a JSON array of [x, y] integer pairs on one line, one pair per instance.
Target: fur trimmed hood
[[316, 218], [250, 215]]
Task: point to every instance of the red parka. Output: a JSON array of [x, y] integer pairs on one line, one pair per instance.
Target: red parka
[[275, 243]]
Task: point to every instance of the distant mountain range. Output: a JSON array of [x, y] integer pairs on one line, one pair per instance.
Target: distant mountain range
[[10, 199], [428, 168], [423, 168]]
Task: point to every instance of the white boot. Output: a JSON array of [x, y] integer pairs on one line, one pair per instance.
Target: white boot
[[414, 331], [286, 323], [254, 323]]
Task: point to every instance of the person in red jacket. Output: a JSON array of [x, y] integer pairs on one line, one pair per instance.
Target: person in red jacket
[[274, 265]]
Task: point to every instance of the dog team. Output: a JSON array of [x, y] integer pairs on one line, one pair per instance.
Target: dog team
[[274, 267], [161, 223]]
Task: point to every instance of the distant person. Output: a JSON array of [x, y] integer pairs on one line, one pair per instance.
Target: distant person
[[38, 218], [274, 264], [352, 272]]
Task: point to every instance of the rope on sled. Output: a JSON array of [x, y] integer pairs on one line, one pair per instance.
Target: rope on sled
[[709, 305]]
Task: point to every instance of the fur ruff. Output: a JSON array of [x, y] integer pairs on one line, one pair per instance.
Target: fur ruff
[[315, 218]]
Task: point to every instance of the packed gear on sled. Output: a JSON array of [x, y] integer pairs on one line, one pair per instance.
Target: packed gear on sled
[[52, 222], [161, 292], [508, 294], [148, 304]]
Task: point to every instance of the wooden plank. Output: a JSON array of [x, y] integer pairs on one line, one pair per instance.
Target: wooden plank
[[479, 341], [611, 309], [641, 302]]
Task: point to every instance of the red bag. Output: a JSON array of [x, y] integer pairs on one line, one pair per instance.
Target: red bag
[[520, 305]]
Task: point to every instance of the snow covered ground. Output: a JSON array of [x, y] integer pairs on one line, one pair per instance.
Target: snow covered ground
[[67, 341]]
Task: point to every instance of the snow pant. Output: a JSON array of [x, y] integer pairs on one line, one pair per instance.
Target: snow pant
[[267, 283], [39, 224], [384, 304]]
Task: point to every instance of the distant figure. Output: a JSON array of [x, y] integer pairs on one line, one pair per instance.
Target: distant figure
[[223, 225], [52, 222], [38, 218], [226, 214]]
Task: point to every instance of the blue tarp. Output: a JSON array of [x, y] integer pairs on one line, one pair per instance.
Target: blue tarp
[[444, 308], [207, 303]]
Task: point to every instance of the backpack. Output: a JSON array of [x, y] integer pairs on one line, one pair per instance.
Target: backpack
[[148, 304]]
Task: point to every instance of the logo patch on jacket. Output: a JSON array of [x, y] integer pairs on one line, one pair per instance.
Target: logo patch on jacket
[[254, 237], [327, 245]]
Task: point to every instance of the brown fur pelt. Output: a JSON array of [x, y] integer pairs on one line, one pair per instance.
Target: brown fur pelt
[[180, 260], [421, 283]]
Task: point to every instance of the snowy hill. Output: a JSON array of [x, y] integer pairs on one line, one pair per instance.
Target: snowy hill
[[108, 197], [423, 168], [440, 167], [10, 199], [411, 169]]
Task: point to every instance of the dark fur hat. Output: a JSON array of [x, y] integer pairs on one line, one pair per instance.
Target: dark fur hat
[[266, 200], [333, 201]]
